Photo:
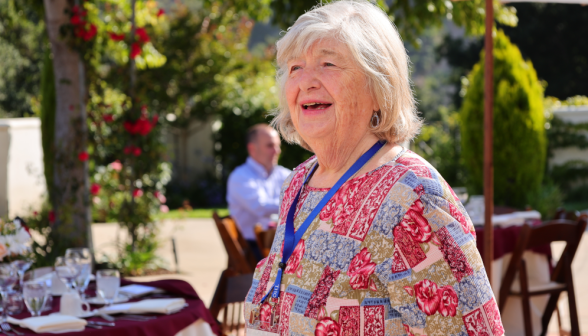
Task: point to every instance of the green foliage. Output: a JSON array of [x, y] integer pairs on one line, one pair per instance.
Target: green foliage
[[519, 133], [22, 42], [48, 105], [411, 17], [547, 199]]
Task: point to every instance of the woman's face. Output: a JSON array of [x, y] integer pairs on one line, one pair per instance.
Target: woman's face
[[328, 95]]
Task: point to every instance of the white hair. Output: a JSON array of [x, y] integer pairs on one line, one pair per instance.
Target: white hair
[[375, 46]]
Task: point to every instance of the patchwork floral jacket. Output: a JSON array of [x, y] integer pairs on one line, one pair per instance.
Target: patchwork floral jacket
[[392, 253]]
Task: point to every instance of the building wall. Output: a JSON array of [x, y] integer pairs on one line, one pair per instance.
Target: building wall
[[22, 181]]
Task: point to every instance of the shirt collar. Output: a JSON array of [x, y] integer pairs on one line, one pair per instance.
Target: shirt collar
[[257, 167]]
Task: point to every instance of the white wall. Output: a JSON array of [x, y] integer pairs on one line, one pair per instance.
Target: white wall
[[22, 182], [190, 150]]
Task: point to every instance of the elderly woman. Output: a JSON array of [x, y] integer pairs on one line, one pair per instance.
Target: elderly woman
[[371, 239]]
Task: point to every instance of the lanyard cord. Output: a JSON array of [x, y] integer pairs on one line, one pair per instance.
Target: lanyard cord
[[292, 238]]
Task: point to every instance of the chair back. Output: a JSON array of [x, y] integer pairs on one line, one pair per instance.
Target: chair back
[[265, 239], [556, 230], [229, 299], [240, 258]]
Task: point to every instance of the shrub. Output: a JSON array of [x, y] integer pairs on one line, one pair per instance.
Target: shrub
[[519, 126]]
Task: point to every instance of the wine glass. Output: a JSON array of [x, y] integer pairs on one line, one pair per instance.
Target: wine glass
[[108, 283], [83, 262], [8, 277], [21, 267], [66, 269], [35, 296]]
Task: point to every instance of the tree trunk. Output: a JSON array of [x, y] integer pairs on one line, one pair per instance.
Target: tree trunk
[[70, 194]]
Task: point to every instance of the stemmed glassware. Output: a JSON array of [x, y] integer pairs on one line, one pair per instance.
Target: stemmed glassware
[[66, 269], [35, 297], [82, 260], [21, 267], [108, 283], [8, 277]]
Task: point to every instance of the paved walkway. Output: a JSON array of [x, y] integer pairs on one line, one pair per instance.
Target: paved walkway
[[202, 258]]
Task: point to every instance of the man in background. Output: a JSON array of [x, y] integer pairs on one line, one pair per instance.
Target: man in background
[[253, 189]]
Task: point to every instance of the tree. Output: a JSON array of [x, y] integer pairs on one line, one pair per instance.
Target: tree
[[519, 126], [70, 193], [411, 17]]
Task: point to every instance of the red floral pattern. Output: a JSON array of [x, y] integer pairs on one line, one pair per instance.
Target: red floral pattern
[[321, 292], [347, 204], [327, 327], [360, 269], [265, 316], [350, 319], [454, 255], [493, 315], [262, 286], [374, 320], [410, 249], [455, 213], [398, 265], [415, 223], [285, 309], [449, 301], [475, 324], [291, 193], [295, 258], [426, 296]]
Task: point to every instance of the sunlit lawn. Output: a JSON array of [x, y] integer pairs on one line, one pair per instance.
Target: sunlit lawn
[[194, 213]]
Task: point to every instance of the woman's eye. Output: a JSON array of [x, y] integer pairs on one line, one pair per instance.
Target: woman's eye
[[329, 64], [294, 68]]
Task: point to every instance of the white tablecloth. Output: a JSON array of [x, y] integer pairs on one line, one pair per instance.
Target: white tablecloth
[[198, 328], [512, 315]]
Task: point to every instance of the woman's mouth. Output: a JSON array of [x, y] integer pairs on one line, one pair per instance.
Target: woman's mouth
[[315, 106]]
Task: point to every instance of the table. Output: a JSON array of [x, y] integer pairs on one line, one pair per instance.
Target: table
[[194, 320], [539, 271]]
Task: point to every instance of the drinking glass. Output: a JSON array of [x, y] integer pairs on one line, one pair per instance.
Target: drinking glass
[[67, 270], [108, 283], [21, 267], [35, 296], [83, 262], [8, 277], [14, 302]]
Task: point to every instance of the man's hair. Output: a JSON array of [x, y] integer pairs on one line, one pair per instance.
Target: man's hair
[[253, 131]]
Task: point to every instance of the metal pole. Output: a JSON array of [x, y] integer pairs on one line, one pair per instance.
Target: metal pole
[[488, 130]]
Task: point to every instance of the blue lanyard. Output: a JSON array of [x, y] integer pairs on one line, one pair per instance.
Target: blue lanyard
[[291, 239]]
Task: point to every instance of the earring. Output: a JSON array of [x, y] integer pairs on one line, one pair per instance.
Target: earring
[[377, 122]]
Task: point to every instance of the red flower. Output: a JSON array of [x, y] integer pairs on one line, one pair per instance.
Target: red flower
[[136, 151], [427, 296], [160, 197], [415, 224], [95, 188], [360, 269], [295, 258], [116, 37], [116, 165], [90, 33], [135, 50], [137, 193], [142, 126], [76, 20], [51, 216], [108, 118], [160, 12], [449, 301], [265, 315], [327, 327], [142, 33], [128, 149], [83, 156]]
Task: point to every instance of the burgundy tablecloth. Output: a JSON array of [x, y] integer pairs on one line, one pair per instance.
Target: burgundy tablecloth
[[162, 326], [505, 240]]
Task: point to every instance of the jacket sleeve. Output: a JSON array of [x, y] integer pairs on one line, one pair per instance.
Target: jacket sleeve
[[244, 191], [437, 283]]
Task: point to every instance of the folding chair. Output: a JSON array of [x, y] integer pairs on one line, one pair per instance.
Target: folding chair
[[264, 239], [567, 231], [229, 298], [241, 258]]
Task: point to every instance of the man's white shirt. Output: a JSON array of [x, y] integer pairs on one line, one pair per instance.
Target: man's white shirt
[[253, 195]]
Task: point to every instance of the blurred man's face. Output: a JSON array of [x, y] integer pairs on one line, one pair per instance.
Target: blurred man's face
[[266, 148]]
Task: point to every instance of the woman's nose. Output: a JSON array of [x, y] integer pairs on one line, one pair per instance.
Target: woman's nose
[[309, 80]]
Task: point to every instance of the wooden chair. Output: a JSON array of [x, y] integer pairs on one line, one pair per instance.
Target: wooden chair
[[229, 299], [264, 238], [561, 213], [567, 231], [241, 258]]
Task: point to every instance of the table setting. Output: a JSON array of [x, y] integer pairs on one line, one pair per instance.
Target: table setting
[[69, 299]]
